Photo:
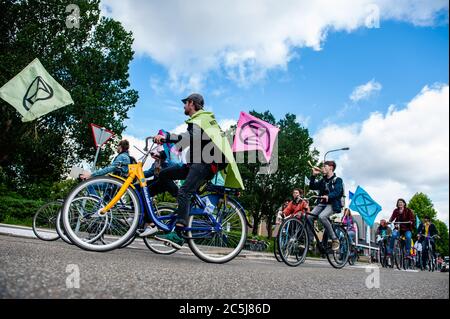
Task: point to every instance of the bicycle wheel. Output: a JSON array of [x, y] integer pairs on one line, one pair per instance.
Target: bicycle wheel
[[398, 255], [352, 257], [293, 242], [157, 246], [83, 223], [431, 264], [223, 244], [381, 255], [276, 253], [60, 229], [338, 258], [44, 221]]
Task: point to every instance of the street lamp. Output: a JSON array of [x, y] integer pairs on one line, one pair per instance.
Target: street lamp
[[339, 149]]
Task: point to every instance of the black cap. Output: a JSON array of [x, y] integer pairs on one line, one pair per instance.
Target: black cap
[[196, 98]]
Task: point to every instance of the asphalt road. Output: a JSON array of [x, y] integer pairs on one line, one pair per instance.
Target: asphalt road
[[30, 268]]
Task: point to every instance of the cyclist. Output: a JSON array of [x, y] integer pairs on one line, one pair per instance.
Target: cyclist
[[418, 247], [209, 152], [404, 215], [384, 231], [427, 230], [297, 204], [349, 224], [330, 189], [118, 166]]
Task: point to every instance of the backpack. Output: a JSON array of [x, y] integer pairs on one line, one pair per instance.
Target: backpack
[[333, 182]]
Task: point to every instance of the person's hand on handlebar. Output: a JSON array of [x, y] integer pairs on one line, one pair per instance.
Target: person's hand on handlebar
[[159, 139]]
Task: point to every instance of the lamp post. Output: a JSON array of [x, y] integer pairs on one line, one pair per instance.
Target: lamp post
[[336, 150]]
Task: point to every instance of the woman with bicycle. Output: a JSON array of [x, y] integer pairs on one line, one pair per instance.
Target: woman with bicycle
[[405, 218], [349, 224]]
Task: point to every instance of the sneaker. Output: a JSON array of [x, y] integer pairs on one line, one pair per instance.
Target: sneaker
[[335, 244], [148, 231], [171, 239]]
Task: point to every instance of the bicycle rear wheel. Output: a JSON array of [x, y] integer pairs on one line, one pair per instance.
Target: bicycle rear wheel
[[44, 221], [84, 224], [293, 242], [338, 258], [223, 244]]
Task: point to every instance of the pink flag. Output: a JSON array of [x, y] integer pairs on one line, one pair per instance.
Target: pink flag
[[254, 134]]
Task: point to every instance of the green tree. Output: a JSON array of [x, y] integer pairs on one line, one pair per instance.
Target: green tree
[[91, 62], [422, 206], [442, 242]]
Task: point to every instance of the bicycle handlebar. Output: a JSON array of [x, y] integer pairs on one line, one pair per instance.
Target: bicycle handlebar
[[399, 223], [146, 142]]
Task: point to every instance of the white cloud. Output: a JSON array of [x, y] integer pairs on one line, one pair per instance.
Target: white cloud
[[397, 154], [245, 39], [364, 91]]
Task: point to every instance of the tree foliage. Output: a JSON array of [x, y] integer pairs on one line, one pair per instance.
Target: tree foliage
[[422, 206], [91, 62]]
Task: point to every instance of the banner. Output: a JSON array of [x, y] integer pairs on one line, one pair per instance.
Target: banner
[[254, 134], [34, 92], [365, 206]]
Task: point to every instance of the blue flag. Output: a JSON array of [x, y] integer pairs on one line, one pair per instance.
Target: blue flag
[[365, 206], [417, 222], [350, 195]]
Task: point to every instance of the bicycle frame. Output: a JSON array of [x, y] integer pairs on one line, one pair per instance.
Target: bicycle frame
[[145, 200], [321, 245]]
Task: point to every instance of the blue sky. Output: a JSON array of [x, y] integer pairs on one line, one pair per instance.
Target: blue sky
[[316, 84], [368, 74]]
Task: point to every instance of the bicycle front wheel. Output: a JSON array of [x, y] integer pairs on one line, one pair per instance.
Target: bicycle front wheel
[[338, 258], [157, 246], [398, 255], [218, 244], [293, 242], [44, 221], [60, 229], [276, 250], [84, 224]]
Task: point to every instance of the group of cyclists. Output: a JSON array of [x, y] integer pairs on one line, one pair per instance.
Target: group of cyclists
[[203, 131], [400, 224]]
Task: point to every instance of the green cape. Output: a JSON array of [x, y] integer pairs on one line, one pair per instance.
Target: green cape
[[207, 122]]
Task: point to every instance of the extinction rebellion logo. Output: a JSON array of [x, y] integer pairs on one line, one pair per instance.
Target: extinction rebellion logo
[[37, 91]]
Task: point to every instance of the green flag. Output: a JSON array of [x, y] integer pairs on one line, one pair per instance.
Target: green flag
[[34, 92]]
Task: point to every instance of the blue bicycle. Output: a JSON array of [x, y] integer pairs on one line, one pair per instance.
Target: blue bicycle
[[216, 231]]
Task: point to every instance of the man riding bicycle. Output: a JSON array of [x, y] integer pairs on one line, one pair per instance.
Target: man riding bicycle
[[296, 206], [330, 190], [427, 231], [209, 152]]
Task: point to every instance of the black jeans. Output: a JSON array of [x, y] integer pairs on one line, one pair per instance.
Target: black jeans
[[193, 174]]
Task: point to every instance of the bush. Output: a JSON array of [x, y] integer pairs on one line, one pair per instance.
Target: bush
[[13, 207]]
